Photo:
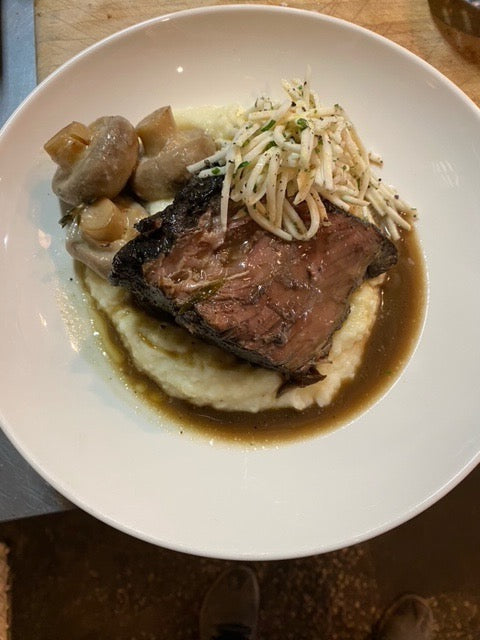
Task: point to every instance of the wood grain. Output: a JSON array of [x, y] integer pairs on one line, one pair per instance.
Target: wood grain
[[65, 28]]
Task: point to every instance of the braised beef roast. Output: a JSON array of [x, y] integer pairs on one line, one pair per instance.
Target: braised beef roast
[[271, 302]]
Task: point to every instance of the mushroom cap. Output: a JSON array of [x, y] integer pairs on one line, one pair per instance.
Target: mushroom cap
[[103, 168]]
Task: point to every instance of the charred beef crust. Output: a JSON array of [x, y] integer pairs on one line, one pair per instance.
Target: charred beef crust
[[157, 235], [387, 254], [163, 234]]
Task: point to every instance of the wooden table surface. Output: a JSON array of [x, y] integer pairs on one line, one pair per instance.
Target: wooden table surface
[[63, 28]]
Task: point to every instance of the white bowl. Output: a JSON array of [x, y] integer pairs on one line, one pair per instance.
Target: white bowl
[[80, 429]]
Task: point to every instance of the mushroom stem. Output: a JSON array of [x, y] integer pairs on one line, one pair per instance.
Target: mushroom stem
[[68, 144], [156, 129], [102, 221]]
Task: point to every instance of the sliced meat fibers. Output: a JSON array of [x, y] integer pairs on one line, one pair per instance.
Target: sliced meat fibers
[[274, 303]]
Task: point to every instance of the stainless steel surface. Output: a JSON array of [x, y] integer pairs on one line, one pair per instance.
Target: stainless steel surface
[[22, 490], [18, 63]]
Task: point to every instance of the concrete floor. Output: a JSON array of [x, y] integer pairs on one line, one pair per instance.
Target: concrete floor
[[75, 578]]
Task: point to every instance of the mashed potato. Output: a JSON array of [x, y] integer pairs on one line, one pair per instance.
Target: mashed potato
[[218, 122], [204, 375]]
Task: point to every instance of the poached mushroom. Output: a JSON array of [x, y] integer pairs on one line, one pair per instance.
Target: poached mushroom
[[167, 151], [94, 161], [98, 230]]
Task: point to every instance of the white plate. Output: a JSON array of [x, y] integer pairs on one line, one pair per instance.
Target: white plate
[[211, 498]]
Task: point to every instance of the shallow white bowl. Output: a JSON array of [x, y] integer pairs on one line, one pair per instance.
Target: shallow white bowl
[[79, 429]]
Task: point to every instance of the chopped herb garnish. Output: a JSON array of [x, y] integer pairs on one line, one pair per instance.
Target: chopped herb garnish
[[271, 144], [302, 124], [70, 216], [243, 164], [215, 171], [200, 295], [268, 126], [66, 219]]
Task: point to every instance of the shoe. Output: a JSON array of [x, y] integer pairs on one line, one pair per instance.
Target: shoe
[[230, 607], [408, 618]]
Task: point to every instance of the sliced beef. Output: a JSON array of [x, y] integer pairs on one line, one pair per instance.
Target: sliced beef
[[274, 303]]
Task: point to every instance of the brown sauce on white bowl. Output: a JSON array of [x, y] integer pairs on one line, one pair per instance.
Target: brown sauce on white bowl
[[391, 343]]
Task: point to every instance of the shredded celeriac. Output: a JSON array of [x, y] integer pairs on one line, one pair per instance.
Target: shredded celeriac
[[301, 152]]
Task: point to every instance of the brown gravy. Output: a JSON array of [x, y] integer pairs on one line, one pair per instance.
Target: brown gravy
[[391, 343]]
